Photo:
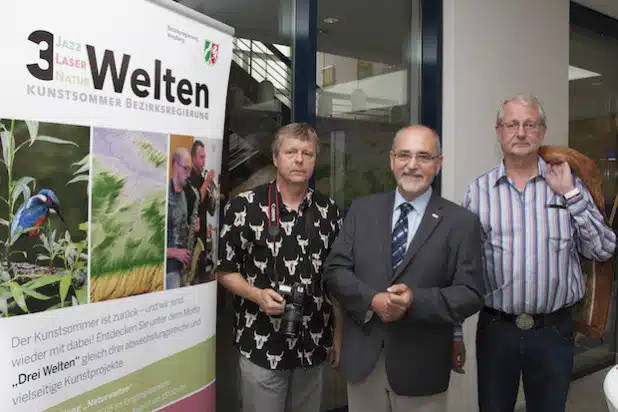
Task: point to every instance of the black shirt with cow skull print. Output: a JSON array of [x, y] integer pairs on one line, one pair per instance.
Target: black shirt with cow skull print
[[304, 240]]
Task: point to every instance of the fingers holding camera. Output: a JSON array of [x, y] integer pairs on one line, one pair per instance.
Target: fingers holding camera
[[271, 302]]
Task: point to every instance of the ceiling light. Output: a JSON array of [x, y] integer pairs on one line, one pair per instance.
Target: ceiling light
[[331, 20], [576, 73]]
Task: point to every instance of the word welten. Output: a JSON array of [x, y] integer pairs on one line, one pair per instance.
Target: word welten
[[141, 81]]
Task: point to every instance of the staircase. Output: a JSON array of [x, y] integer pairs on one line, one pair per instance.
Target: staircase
[[260, 100], [264, 74]]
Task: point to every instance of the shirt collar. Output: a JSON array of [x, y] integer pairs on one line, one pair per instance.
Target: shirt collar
[[303, 205], [419, 204], [502, 176]]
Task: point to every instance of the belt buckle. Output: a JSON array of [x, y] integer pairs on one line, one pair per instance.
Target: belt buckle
[[524, 321]]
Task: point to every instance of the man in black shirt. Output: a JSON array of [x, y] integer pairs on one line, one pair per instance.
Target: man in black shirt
[[279, 234], [206, 206]]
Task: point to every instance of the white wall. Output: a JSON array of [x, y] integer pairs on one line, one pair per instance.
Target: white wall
[[493, 49]]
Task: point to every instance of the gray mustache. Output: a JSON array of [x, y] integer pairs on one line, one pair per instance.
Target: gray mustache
[[413, 174]]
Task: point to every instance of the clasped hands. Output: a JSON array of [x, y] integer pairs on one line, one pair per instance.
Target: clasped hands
[[392, 304]]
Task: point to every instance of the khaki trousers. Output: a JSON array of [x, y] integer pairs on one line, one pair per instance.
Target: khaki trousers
[[265, 390], [374, 394]]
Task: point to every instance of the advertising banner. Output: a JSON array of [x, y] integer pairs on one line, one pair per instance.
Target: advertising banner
[[111, 126]]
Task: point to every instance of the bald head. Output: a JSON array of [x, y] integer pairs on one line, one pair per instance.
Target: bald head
[[419, 131], [415, 160]]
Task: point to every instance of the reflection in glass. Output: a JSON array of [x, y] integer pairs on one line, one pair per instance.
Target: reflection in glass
[[363, 76], [593, 130]]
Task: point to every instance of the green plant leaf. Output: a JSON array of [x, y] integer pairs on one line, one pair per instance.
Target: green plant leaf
[[19, 252], [81, 162], [51, 139], [82, 295], [18, 295], [85, 168], [146, 148], [65, 283], [33, 130], [43, 281], [83, 226], [6, 138], [4, 307], [22, 186], [80, 178], [4, 222], [36, 294], [5, 276]]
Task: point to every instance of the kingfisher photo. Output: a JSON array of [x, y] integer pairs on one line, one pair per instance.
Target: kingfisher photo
[[44, 178]]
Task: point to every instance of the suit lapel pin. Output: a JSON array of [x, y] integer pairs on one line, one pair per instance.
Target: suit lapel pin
[[434, 216]]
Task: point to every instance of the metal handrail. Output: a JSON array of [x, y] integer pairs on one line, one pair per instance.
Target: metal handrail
[[266, 57], [262, 61], [263, 68]]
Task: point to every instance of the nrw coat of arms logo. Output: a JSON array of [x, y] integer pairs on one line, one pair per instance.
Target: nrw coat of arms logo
[[211, 52]]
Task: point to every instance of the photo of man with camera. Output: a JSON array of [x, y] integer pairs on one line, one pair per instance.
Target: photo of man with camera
[[273, 242]]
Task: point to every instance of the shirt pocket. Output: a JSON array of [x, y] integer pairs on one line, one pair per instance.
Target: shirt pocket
[[559, 228]]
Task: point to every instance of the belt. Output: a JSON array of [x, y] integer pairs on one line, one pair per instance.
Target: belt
[[527, 321]]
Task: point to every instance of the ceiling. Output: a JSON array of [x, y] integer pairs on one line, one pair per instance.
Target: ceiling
[[360, 33], [367, 30], [608, 7]]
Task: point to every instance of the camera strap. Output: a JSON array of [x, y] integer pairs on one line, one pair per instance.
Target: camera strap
[[274, 226], [274, 229]]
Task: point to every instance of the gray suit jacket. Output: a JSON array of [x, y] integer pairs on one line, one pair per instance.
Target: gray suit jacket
[[442, 266]]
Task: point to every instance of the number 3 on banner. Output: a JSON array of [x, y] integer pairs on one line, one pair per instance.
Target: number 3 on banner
[[42, 37]]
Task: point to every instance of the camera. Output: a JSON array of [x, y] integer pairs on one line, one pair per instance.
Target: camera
[[292, 317]]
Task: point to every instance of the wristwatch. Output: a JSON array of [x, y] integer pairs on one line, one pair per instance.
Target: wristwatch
[[571, 193]]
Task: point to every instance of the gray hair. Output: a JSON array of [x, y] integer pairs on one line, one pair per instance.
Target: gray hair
[[433, 132], [180, 153], [526, 100], [301, 131]]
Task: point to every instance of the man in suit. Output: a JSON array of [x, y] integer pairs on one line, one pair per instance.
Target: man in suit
[[406, 268]]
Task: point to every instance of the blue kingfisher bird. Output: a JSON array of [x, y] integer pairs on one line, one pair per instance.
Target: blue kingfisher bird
[[32, 214]]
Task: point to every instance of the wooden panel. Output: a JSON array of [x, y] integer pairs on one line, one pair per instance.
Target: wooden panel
[[176, 141]]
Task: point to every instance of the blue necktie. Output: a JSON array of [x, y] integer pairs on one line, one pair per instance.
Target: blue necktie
[[400, 235]]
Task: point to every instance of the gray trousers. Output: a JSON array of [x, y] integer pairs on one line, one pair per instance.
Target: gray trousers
[[265, 390], [172, 280], [374, 394]]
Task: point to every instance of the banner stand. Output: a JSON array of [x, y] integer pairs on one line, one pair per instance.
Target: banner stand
[[111, 127]]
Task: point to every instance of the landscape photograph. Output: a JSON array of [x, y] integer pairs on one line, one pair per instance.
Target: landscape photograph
[[129, 175]]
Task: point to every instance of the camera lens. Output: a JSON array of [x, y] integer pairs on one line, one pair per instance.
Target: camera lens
[[291, 320]]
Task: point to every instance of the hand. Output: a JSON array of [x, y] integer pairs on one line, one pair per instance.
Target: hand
[[209, 178], [379, 304], [399, 300], [459, 356], [559, 178], [196, 226], [270, 302], [181, 255], [335, 351]]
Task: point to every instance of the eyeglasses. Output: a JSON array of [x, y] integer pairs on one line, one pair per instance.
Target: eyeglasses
[[404, 157], [186, 168], [293, 153], [529, 127]]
